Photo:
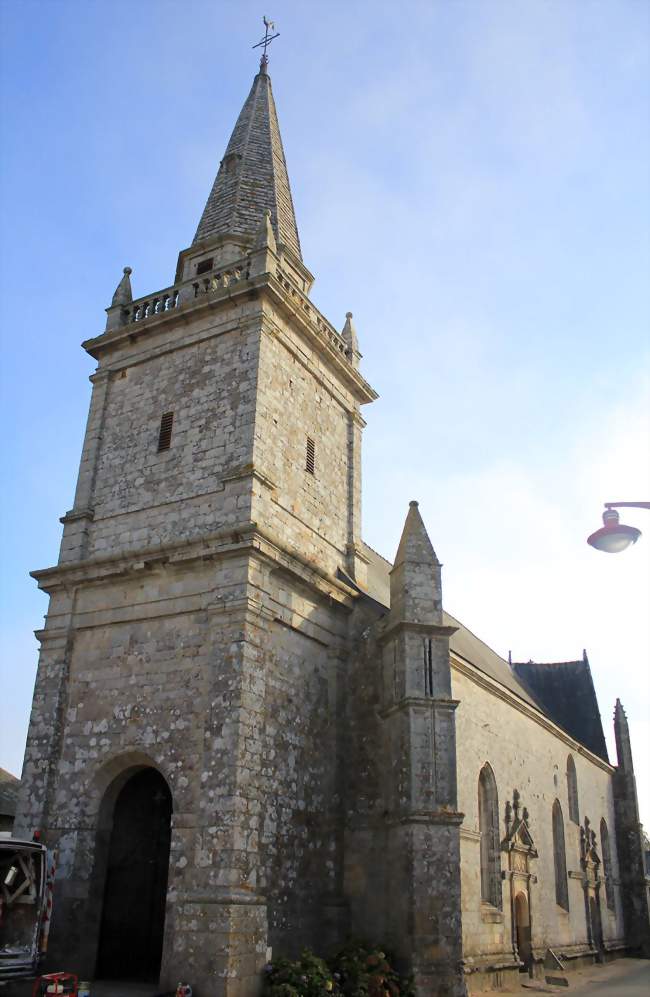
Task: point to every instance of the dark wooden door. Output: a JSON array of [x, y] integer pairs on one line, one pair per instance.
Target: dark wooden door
[[133, 913]]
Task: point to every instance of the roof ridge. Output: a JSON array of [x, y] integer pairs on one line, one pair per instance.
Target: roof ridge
[[385, 559]]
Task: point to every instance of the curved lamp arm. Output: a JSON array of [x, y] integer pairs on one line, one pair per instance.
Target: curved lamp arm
[[630, 505]]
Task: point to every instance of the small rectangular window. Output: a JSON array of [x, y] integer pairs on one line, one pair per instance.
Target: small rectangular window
[[165, 434], [310, 459], [204, 266]]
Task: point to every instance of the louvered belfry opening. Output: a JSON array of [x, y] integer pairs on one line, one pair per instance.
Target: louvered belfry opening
[[165, 434], [310, 457]]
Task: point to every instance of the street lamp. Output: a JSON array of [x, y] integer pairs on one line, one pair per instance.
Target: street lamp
[[614, 536]]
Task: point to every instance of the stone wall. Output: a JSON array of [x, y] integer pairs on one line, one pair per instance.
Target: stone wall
[[226, 677], [299, 398], [206, 374], [528, 756]]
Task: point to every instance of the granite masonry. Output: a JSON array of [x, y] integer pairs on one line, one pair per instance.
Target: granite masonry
[[250, 733]]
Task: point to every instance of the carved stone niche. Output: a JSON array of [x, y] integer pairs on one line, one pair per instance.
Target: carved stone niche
[[591, 882], [589, 857], [518, 842], [520, 849]]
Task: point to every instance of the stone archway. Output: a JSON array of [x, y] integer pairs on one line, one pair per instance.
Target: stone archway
[[135, 883], [522, 928]]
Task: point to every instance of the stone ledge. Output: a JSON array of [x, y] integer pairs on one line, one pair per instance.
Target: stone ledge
[[491, 915]]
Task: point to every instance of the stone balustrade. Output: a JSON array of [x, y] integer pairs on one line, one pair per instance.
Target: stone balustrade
[[164, 301], [174, 297], [333, 337]]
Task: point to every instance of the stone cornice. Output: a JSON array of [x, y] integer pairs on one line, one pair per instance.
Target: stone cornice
[[301, 311], [479, 678], [306, 318], [74, 515], [419, 702], [250, 471], [451, 818], [427, 629], [231, 541]]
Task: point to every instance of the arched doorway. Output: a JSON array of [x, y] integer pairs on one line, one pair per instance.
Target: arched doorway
[[596, 924], [133, 912], [522, 924]]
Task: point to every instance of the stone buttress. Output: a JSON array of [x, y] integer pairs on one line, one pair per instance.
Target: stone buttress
[[403, 824], [636, 912]]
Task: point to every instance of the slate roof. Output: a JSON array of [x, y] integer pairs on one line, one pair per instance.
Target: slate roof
[[563, 691], [252, 176], [9, 786]]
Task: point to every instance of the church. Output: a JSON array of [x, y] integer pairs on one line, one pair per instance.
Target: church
[[250, 733]]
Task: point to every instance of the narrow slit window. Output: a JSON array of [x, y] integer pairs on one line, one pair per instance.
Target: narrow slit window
[[428, 668], [165, 434], [310, 457]]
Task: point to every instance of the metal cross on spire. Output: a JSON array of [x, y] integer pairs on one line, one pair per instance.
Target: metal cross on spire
[[269, 27]]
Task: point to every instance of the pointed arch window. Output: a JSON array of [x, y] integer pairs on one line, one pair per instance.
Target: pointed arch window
[[488, 819], [559, 858], [607, 865], [572, 790]]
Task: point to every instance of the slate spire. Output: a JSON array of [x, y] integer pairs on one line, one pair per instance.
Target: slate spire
[[252, 176]]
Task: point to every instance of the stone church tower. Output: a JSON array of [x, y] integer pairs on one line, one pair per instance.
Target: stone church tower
[[202, 700]]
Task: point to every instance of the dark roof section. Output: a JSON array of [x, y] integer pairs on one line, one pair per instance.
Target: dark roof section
[[252, 176], [565, 692], [9, 786]]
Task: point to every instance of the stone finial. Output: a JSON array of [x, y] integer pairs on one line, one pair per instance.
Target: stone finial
[[414, 545], [123, 294], [265, 235], [349, 334], [415, 582], [622, 738], [349, 337]]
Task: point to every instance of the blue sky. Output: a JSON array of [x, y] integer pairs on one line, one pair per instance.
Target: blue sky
[[470, 179]]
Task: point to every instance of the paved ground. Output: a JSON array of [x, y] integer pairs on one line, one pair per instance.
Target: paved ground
[[621, 978]]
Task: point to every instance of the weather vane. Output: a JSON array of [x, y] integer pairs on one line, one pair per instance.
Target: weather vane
[[269, 27]]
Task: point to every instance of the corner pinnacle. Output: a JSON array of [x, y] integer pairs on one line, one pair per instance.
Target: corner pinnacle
[[123, 294]]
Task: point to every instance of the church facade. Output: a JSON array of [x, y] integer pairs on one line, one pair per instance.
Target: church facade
[[250, 733]]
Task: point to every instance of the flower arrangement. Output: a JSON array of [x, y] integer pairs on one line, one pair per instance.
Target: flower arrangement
[[357, 970]]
